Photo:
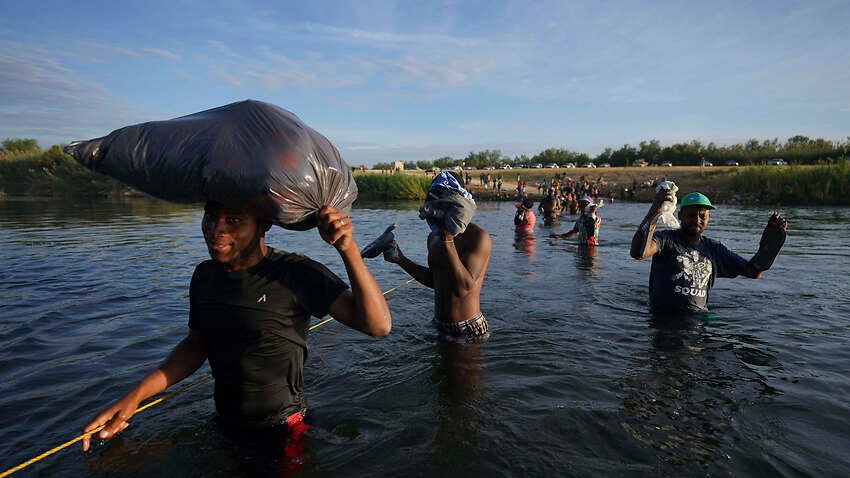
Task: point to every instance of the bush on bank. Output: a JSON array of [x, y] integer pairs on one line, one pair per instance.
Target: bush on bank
[[51, 173], [825, 184], [373, 186]]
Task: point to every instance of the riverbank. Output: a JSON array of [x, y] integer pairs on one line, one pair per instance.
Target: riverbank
[[825, 184], [54, 174]]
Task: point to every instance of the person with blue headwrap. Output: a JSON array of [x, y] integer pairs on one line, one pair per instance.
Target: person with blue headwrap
[[448, 205], [458, 255]]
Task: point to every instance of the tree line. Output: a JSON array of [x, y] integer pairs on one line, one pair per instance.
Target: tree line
[[797, 149]]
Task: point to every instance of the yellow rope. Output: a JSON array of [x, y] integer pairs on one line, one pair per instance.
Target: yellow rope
[[75, 440], [144, 407]]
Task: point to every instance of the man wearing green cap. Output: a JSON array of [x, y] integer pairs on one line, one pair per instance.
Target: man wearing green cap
[[685, 263]]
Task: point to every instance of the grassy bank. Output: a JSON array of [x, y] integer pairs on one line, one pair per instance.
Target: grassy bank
[[827, 184], [52, 173], [380, 186]]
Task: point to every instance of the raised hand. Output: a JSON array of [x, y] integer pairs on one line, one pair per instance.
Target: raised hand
[[335, 228]]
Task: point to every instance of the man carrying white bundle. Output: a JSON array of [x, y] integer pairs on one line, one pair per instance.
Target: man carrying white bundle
[[685, 263]]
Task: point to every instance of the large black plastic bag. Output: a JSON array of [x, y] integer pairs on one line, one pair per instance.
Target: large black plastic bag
[[245, 151]]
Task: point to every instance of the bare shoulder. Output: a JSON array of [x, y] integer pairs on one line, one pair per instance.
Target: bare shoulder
[[476, 238]]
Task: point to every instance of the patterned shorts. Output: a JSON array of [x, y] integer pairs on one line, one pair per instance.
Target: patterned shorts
[[472, 331]]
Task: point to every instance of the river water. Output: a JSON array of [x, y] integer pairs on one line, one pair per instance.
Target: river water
[[576, 380]]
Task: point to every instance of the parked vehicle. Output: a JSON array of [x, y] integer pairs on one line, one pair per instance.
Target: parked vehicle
[[705, 163], [603, 165], [507, 166], [667, 164], [732, 163], [570, 165], [552, 165], [538, 165], [778, 162], [588, 165]]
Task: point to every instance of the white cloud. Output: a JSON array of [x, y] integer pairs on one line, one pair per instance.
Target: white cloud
[[40, 97]]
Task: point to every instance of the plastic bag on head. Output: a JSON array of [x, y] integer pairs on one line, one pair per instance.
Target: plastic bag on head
[[448, 205], [248, 151]]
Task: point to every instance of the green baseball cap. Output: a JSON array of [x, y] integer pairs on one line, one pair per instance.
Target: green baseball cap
[[696, 199]]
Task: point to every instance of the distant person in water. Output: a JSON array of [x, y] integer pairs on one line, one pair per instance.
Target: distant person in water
[[524, 218], [458, 255], [586, 226], [685, 263], [550, 208]]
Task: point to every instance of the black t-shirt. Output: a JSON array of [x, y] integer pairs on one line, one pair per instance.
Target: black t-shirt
[[253, 324], [682, 274]]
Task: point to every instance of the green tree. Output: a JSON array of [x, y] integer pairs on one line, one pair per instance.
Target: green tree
[[521, 160], [624, 156], [483, 158], [604, 156], [651, 151], [21, 145], [446, 162]]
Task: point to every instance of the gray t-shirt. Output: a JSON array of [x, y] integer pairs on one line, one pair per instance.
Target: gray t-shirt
[[682, 273]]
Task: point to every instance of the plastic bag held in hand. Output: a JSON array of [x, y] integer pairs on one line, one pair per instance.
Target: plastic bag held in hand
[[245, 152], [668, 208]]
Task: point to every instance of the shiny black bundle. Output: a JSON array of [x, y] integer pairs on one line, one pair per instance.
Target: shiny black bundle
[[248, 151]]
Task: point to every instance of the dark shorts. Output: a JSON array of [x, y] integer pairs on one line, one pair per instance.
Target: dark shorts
[[472, 331], [270, 451]]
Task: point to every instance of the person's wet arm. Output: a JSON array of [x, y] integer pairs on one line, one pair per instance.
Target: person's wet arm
[[643, 245], [364, 307], [772, 240], [183, 361], [420, 273], [572, 232], [469, 269]]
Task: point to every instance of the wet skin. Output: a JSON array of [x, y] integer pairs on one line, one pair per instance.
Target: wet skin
[[694, 220], [234, 238]]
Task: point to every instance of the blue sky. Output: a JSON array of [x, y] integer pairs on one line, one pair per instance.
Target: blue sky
[[388, 80]]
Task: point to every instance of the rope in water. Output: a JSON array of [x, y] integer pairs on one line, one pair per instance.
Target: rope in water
[[146, 406]]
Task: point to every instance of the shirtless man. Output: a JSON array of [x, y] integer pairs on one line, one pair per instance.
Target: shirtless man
[[550, 208], [456, 267], [458, 255]]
